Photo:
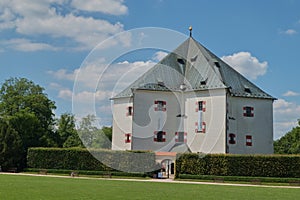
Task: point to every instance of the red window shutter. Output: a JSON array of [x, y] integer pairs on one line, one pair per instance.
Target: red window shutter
[[176, 137], [127, 138], [231, 138], [204, 106], [203, 127], [248, 140]]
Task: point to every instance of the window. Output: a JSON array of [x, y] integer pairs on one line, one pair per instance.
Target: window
[[200, 109], [129, 111], [201, 106], [180, 137], [127, 138], [160, 105], [248, 111], [159, 136], [248, 140], [200, 128], [231, 139]]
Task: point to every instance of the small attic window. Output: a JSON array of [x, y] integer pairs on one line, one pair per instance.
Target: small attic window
[[161, 83], [217, 64], [247, 89], [180, 61], [203, 82]]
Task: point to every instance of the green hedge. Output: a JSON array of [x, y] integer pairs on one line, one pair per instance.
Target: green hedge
[[82, 159], [86, 172], [240, 178], [238, 165]]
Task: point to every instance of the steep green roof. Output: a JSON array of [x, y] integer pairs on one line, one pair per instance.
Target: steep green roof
[[194, 67]]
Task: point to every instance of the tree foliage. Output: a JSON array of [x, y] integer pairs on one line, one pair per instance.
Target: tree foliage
[[10, 146], [29, 112], [68, 136], [289, 143], [92, 136]]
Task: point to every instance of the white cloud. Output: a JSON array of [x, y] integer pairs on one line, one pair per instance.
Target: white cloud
[[289, 32], [121, 73], [113, 7], [106, 81], [286, 115], [65, 94], [158, 56], [57, 19], [21, 44], [291, 94], [247, 64]]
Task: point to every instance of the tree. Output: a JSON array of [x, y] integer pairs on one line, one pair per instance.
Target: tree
[[67, 131], [29, 112], [93, 137], [289, 143], [10, 146]]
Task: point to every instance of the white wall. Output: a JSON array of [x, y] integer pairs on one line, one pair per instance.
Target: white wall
[[147, 120], [213, 140], [260, 126], [122, 124]]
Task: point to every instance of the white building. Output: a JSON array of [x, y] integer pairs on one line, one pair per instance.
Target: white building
[[192, 101]]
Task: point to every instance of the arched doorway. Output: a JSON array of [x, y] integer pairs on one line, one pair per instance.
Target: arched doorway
[[167, 166]]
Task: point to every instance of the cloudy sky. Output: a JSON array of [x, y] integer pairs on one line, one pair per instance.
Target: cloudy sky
[[50, 42]]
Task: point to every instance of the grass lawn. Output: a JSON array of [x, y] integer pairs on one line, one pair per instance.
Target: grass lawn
[[35, 187]]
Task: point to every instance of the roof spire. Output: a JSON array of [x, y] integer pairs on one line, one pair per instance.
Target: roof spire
[[190, 28]]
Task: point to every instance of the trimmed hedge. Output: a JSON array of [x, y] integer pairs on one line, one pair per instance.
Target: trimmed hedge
[[86, 172], [82, 159], [240, 178], [238, 165]]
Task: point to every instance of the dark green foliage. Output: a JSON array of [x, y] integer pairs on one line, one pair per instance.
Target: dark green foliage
[[86, 172], [238, 165], [10, 147], [239, 178], [27, 109], [93, 137], [289, 143], [68, 136], [82, 159]]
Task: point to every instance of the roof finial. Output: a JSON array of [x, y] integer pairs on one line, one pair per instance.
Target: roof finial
[[190, 28]]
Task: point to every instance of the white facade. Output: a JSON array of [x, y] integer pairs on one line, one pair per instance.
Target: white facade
[[193, 103]]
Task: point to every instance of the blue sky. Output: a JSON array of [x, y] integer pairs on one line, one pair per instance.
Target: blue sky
[[48, 40]]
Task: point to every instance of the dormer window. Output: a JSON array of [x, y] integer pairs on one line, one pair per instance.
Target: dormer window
[[217, 64], [247, 89]]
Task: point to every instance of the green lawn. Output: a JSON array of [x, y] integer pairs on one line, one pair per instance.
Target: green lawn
[[31, 188]]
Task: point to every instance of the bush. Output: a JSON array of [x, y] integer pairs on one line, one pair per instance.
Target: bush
[[82, 159], [238, 165], [86, 172], [239, 178]]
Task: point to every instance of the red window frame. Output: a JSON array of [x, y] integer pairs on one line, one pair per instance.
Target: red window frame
[[158, 138], [232, 138], [248, 111], [184, 137], [127, 138], [248, 140], [160, 105]]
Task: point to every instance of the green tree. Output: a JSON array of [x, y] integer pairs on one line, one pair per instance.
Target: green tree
[[289, 143], [93, 137], [29, 112], [10, 146], [67, 131]]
